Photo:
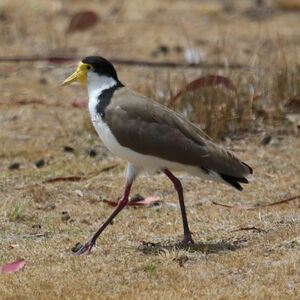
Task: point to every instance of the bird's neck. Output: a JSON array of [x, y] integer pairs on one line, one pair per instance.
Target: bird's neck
[[97, 84]]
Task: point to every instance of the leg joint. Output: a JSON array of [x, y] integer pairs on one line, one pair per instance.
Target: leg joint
[[178, 185], [175, 180]]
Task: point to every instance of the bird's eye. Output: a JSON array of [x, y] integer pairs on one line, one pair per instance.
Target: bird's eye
[[88, 67]]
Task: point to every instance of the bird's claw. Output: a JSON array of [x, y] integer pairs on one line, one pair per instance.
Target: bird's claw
[[86, 248], [187, 240]]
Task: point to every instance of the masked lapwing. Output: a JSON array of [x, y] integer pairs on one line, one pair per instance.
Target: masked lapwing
[[150, 137]]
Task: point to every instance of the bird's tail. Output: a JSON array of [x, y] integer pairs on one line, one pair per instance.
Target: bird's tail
[[235, 181]]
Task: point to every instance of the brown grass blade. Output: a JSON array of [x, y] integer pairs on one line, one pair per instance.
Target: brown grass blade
[[71, 178]]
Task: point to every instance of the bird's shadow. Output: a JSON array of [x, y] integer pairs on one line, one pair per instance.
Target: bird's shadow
[[207, 248]]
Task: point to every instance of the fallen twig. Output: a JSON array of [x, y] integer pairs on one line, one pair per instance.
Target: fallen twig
[[250, 207], [283, 201], [32, 101], [250, 228], [68, 59], [247, 207]]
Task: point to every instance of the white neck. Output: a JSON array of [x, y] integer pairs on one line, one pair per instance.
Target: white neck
[[96, 84]]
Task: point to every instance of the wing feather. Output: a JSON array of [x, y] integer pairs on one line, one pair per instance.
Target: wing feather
[[153, 129]]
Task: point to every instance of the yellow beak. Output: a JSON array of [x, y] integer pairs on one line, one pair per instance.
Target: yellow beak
[[80, 74]]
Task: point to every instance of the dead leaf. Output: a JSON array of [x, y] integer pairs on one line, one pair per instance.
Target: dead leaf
[[182, 259], [147, 201], [13, 267], [80, 103], [210, 80], [292, 105], [13, 246], [82, 20], [288, 5]]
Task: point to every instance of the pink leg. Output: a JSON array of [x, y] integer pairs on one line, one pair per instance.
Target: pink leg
[[177, 184], [121, 204]]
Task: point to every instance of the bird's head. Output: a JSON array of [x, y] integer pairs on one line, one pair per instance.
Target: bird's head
[[93, 68]]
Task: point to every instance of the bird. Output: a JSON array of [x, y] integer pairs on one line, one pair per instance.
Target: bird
[[151, 138]]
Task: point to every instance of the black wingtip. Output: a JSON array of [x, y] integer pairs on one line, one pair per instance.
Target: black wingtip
[[250, 169], [234, 181], [242, 180]]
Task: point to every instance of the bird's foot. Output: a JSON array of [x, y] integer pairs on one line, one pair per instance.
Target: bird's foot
[[187, 240], [86, 248]]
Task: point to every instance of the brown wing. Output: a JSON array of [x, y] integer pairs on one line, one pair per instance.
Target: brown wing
[[147, 127]]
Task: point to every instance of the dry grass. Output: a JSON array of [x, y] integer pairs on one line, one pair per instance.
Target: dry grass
[[136, 257]]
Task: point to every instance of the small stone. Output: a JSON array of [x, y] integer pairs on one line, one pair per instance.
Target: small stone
[[266, 140], [163, 49], [65, 216], [85, 221], [79, 193], [178, 49], [50, 206], [150, 244], [3, 16], [76, 247], [68, 149], [43, 80], [39, 163], [37, 226], [14, 166], [158, 205], [290, 285], [275, 142], [182, 259], [194, 55], [136, 198], [92, 152]]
